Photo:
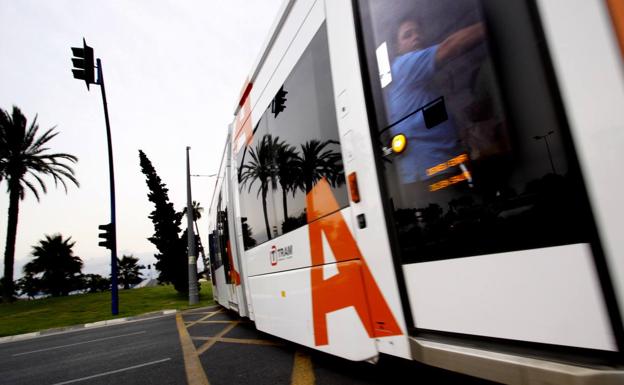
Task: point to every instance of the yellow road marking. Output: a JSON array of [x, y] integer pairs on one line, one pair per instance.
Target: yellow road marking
[[195, 374], [201, 311], [197, 312], [302, 373], [212, 322], [223, 332], [249, 341], [188, 325]]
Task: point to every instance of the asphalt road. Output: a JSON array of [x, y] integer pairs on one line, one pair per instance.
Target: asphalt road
[[200, 346], [143, 352], [232, 351]]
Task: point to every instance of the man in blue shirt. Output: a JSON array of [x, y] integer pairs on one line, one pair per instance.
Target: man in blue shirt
[[412, 73]]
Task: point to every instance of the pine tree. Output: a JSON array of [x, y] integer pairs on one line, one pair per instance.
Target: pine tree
[[172, 258]]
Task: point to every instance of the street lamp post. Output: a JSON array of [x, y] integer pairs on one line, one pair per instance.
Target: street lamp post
[[201, 250], [192, 254]]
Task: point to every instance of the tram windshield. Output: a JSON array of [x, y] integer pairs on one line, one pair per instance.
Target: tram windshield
[[466, 174]]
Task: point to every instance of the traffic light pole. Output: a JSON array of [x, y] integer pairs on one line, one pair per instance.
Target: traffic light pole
[[111, 172]]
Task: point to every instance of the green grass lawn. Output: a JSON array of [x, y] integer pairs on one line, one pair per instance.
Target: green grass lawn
[[28, 316]]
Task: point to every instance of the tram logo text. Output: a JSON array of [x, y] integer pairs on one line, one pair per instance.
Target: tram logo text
[[281, 254]]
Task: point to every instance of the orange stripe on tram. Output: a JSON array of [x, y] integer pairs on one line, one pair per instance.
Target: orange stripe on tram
[[616, 8], [243, 130], [354, 284], [233, 273]]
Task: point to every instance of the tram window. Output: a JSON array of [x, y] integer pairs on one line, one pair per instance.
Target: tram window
[[214, 262], [487, 166], [223, 239], [212, 245], [302, 120], [295, 145]]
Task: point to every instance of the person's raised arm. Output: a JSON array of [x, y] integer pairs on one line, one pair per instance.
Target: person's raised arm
[[459, 42]]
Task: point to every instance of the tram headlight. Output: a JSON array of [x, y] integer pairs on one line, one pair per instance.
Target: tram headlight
[[399, 142]]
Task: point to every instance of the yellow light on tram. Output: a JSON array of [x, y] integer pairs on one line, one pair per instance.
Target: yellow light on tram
[[399, 142]]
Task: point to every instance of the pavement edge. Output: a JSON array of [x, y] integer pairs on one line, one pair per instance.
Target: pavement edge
[[114, 321]]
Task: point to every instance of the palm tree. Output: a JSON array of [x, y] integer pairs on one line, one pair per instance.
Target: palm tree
[[287, 172], [24, 160], [197, 210], [129, 271], [262, 168], [317, 162], [56, 266]]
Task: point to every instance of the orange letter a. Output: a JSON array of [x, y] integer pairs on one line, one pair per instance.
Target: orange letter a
[[354, 284]]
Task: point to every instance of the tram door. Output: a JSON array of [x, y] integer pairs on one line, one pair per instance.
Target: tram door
[[484, 196], [228, 251]]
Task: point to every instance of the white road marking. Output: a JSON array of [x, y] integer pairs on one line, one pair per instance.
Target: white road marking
[[78, 343], [113, 372]]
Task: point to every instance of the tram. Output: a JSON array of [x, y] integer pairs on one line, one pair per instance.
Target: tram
[[437, 180]]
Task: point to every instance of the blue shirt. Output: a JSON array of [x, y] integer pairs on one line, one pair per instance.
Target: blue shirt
[[411, 89]]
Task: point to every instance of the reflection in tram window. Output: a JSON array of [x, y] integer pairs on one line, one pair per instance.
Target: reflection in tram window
[[470, 180], [295, 145]]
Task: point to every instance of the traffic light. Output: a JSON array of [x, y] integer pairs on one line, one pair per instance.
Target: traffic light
[[108, 236], [279, 102], [84, 63]]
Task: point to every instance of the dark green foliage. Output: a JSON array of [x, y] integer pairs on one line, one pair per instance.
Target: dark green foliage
[[129, 271], [172, 258], [55, 266], [94, 283], [24, 158], [29, 285]]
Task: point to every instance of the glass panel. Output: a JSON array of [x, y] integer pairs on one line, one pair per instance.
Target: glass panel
[[295, 145], [477, 176], [302, 121], [223, 234], [214, 262]]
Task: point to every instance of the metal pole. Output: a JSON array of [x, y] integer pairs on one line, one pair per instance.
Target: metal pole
[[192, 254], [111, 172]]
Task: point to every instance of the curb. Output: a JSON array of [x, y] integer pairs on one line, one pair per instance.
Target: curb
[[115, 321]]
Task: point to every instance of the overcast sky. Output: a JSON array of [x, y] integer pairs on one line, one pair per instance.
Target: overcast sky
[[173, 73]]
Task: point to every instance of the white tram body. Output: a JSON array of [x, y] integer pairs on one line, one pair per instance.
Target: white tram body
[[491, 244]]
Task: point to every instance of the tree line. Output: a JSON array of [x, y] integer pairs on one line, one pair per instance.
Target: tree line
[[55, 271], [25, 161]]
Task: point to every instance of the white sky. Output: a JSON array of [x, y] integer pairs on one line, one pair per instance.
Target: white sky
[[173, 73]]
